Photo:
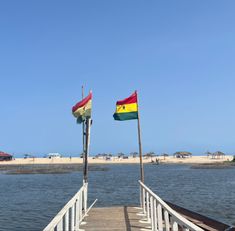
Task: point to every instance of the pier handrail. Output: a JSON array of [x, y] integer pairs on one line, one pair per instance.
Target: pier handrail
[[72, 214], [160, 215]]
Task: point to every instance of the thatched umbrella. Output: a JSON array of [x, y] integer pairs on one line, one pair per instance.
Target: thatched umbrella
[[134, 154], [218, 154], [121, 155], [208, 153], [149, 154], [182, 154], [165, 155]]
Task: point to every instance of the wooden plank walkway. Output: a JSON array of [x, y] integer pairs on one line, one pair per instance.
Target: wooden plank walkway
[[114, 219]]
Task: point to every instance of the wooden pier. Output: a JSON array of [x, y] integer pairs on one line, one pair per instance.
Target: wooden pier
[[153, 214], [123, 218], [128, 218]]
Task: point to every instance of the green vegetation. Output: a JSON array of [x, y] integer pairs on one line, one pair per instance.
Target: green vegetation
[[47, 168]]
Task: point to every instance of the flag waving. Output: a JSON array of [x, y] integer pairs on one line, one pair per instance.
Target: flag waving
[[127, 109], [82, 109]]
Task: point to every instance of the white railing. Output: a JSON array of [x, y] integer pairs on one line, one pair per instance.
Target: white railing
[[70, 217], [160, 215]]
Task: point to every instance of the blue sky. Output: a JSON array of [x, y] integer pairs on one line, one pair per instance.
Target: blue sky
[[179, 55]]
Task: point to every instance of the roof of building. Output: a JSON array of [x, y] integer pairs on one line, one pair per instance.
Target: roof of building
[[183, 153], [4, 154]]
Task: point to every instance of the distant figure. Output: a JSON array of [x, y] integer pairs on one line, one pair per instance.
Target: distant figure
[[70, 157], [157, 160]]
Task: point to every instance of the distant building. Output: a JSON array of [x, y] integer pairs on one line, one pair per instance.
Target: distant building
[[26, 156], [54, 155], [5, 156]]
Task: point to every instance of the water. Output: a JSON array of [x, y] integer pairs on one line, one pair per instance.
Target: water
[[29, 202]]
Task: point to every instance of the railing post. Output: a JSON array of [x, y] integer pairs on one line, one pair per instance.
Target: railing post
[[159, 217], [72, 218], [85, 197], [166, 219], [147, 206], [144, 200], [141, 198], [59, 227], [155, 214], [174, 226], [80, 207], [151, 212], [66, 223], [77, 223], [185, 229]]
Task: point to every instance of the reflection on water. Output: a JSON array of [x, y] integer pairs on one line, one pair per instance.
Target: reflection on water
[[29, 202]]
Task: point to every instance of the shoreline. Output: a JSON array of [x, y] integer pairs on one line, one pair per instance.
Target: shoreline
[[67, 165], [115, 160]]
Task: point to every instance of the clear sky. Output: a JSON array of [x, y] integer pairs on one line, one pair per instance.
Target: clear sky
[[179, 55]]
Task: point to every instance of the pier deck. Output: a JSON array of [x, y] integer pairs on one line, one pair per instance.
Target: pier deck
[[114, 218], [159, 214]]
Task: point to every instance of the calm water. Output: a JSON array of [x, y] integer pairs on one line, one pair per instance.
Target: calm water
[[28, 202]]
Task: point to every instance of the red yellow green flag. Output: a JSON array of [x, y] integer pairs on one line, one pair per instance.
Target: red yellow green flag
[[82, 109], [127, 109]]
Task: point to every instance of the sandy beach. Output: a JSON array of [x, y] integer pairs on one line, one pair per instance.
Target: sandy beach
[[115, 160]]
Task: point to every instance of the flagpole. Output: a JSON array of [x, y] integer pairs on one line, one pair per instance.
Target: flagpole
[[140, 144], [83, 140], [87, 145]]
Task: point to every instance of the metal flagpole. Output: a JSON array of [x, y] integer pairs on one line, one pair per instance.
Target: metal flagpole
[[87, 144], [83, 141], [140, 144]]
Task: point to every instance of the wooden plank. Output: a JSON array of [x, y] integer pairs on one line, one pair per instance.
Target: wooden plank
[[114, 218]]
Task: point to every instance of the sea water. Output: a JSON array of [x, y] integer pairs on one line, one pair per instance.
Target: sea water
[[30, 201]]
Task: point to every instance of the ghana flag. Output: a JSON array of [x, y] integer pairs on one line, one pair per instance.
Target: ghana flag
[[82, 109], [127, 109]]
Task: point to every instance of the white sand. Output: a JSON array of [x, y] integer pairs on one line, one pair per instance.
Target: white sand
[[131, 160]]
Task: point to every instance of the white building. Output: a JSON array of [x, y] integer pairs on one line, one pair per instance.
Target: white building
[[54, 155]]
